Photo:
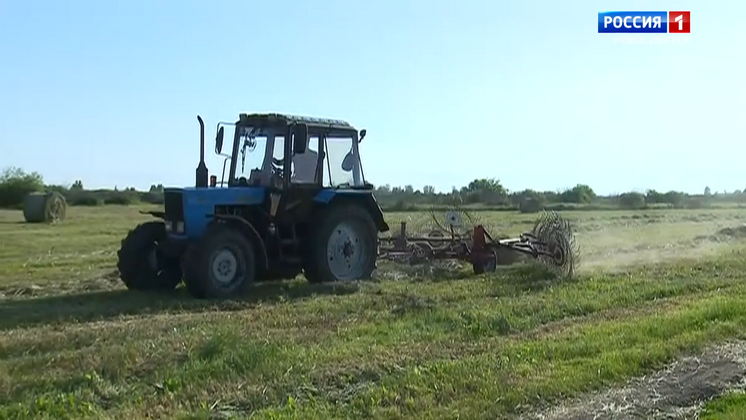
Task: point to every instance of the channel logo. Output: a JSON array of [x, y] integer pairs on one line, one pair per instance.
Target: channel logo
[[644, 22]]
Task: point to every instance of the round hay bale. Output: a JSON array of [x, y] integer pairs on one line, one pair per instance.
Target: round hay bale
[[530, 205], [48, 207]]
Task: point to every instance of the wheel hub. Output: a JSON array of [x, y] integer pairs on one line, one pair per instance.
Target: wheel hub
[[348, 249], [344, 253], [558, 255], [224, 266]]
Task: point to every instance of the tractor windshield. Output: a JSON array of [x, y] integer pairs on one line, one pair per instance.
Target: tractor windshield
[[253, 164], [341, 163]]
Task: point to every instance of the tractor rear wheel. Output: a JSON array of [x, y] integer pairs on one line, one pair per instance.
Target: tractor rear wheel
[[141, 265], [222, 264], [343, 246]]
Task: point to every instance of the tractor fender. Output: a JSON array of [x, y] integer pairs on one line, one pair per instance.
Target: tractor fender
[[363, 198], [376, 213], [248, 229]]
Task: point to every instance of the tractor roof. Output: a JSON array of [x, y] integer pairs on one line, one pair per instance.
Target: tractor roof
[[274, 118]]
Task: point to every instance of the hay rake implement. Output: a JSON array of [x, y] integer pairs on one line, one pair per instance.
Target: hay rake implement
[[550, 242]]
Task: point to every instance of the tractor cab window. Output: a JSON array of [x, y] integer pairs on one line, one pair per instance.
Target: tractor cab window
[[339, 162], [304, 165], [278, 152], [276, 162]]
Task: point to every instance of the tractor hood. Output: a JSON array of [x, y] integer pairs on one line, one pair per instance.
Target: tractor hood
[[195, 206], [241, 196]]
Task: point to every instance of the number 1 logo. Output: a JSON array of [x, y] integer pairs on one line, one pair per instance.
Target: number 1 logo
[[678, 22]]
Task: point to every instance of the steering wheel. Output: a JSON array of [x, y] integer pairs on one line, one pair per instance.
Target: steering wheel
[[278, 167]]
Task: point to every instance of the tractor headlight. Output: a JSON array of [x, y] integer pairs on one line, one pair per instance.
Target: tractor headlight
[[179, 227]]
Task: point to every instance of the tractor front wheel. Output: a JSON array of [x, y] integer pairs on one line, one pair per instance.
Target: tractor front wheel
[[222, 264], [343, 247], [141, 265]]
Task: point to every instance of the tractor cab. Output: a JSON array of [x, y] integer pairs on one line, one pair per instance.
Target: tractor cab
[[283, 151]]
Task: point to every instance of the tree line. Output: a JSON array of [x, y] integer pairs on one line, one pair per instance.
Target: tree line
[[485, 193], [489, 193], [15, 184]]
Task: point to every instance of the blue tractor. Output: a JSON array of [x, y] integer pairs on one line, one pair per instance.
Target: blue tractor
[[292, 199]]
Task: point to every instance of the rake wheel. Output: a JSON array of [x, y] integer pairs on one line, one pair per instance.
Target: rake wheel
[[467, 221], [557, 233]]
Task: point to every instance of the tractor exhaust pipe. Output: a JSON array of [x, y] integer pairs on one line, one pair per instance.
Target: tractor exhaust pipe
[[201, 175]]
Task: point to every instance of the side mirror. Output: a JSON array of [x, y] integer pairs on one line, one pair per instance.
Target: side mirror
[[300, 137], [219, 141], [348, 162], [363, 132]]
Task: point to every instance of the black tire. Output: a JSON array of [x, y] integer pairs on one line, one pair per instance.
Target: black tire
[[234, 249], [141, 266], [488, 266], [318, 264]]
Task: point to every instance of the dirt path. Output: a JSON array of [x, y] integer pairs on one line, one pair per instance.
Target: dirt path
[[676, 392]]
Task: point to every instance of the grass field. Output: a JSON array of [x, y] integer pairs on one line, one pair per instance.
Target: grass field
[[653, 287], [731, 406]]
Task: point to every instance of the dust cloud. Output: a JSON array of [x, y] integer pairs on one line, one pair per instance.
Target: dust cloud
[[614, 248]]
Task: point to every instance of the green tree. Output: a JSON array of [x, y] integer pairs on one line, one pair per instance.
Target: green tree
[[519, 197], [15, 184], [581, 194], [676, 199], [485, 190]]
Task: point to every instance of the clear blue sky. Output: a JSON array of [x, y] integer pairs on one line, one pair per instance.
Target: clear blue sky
[[524, 91]]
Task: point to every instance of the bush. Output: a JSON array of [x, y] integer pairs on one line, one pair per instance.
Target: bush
[[400, 205], [152, 197], [632, 201], [56, 188], [84, 200], [15, 185], [119, 199], [530, 205]]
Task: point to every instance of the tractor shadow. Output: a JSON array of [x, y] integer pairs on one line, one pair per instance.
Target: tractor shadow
[[104, 305]]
